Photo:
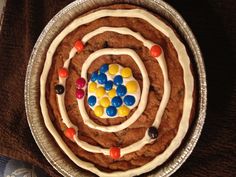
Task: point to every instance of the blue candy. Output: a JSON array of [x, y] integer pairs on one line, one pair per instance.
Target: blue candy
[[116, 101], [118, 80], [129, 100], [108, 85], [121, 90], [104, 68], [94, 76], [111, 111], [92, 100], [102, 78]]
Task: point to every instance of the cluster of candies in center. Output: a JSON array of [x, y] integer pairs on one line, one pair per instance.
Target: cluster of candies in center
[[113, 91]]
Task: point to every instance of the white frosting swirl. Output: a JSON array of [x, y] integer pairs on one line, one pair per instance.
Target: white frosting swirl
[[143, 100], [188, 81]]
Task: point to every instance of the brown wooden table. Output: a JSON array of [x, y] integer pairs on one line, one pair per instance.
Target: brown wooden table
[[213, 23]]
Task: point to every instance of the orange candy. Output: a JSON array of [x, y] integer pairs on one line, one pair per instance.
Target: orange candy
[[155, 51], [115, 152], [69, 133], [79, 45], [63, 72]]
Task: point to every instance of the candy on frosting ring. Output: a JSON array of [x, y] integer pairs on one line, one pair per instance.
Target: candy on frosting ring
[[59, 89], [155, 51], [121, 90], [123, 111], [104, 68], [92, 87], [126, 72], [111, 111], [105, 102], [80, 83], [94, 76], [92, 100], [115, 153], [132, 86], [79, 93], [113, 69], [152, 132], [98, 111], [63, 72], [69, 133], [79, 46], [116, 101], [108, 85], [100, 92], [102, 78], [118, 80], [112, 93], [129, 100]]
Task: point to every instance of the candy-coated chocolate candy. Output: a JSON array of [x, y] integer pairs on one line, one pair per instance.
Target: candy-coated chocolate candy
[[123, 111], [92, 87], [113, 69], [121, 90], [79, 45], [108, 85], [102, 78], [126, 72], [92, 100], [132, 86], [100, 92], [59, 89], [94, 76], [112, 93], [116, 101], [105, 102], [155, 51], [79, 93], [69, 133], [152, 132], [115, 153], [98, 111], [129, 100], [63, 72], [104, 68], [118, 80], [111, 111], [80, 83]]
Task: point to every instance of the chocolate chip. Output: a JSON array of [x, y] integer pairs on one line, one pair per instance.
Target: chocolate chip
[[105, 45]]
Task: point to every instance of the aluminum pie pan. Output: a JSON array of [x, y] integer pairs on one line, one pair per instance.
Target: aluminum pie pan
[[43, 138]]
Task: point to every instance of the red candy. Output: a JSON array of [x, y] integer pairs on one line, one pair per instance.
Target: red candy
[[69, 133], [80, 83], [79, 45], [79, 93], [115, 152], [155, 51], [63, 72]]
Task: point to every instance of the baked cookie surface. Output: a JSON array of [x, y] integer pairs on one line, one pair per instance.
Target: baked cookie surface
[[144, 134]]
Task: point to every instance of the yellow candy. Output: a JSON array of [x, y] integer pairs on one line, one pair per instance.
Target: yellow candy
[[123, 111], [113, 69], [98, 111], [100, 92], [126, 72], [92, 87], [112, 93], [132, 86], [105, 102]]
